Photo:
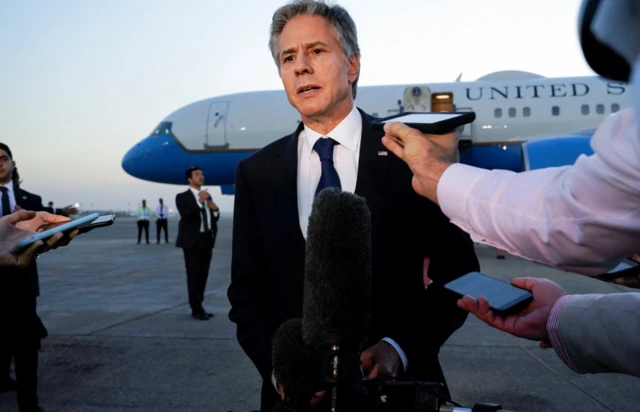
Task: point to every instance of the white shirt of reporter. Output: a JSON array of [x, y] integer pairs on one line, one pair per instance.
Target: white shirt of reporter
[[583, 218]]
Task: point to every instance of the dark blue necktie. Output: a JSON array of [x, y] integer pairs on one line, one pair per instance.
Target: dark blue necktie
[[329, 177], [6, 209]]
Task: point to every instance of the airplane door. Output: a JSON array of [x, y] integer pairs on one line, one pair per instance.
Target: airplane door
[[417, 99], [467, 132], [216, 135]]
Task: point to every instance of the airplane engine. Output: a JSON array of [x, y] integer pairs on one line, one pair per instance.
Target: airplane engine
[[554, 151]]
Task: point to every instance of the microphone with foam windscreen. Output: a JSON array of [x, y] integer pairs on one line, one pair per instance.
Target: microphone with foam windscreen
[[294, 364], [322, 350], [337, 282], [336, 315]]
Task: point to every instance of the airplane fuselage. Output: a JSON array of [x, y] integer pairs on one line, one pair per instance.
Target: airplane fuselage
[[217, 133]]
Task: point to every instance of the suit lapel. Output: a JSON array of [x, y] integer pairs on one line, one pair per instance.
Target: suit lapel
[[372, 174], [288, 193], [191, 197], [22, 199], [373, 167]]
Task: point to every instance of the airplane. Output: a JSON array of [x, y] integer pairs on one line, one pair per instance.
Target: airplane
[[523, 121]]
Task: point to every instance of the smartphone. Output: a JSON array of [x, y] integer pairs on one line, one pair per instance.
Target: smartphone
[[503, 297], [429, 122], [101, 221], [627, 268], [68, 226]]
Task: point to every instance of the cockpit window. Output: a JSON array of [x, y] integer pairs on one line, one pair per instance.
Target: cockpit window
[[162, 129]]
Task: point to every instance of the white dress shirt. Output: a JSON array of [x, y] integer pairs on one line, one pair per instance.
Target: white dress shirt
[[195, 194], [162, 211], [346, 155], [12, 197], [583, 218]]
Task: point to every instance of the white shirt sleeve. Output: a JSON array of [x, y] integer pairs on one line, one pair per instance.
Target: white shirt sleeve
[[583, 218]]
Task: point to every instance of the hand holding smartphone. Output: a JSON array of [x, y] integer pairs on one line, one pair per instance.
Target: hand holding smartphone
[[521, 316], [82, 224], [503, 298]]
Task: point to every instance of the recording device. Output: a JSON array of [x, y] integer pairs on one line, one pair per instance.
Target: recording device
[[65, 227], [336, 313], [504, 298], [429, 122]]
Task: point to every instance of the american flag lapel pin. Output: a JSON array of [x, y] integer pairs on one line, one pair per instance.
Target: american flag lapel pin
[[382, 153]]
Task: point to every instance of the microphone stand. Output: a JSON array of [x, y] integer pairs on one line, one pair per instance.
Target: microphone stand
[[341, 374], [335, 365]]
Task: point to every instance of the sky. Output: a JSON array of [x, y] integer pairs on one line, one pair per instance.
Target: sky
[[82, 81]]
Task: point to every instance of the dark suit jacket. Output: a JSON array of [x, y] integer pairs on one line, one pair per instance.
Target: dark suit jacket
[[19, 289], [190, 220], [30, 201], [267, 269]]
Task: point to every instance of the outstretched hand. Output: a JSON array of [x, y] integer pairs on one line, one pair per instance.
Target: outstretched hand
[[531, 322]]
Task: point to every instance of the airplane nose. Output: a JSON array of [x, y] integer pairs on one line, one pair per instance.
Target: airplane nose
[[129, 160]]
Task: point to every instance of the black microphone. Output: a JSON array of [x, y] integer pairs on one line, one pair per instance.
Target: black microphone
[[322, 350], [294, 364], [337, 282], [336, 314]]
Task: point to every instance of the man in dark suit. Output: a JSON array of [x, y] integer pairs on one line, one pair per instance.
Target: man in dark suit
[[335, 145], [197, 231], [20, 327], [65, 211], [49, 208]]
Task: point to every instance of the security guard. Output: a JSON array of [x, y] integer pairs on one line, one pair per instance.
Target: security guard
[[144, 213]]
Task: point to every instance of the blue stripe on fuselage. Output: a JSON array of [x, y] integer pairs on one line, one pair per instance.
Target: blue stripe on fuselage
[[161, 159]]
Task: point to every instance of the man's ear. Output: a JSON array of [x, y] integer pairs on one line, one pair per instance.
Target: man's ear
[[354, 67]]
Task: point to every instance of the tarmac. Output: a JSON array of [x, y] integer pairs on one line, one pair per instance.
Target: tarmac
[[121, 337]]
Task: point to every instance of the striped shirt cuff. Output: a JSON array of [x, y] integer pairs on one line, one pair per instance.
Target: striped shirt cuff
[[403, 357], [554, 336]]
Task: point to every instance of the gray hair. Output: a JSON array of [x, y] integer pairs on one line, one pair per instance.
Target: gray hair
[[338, 18]]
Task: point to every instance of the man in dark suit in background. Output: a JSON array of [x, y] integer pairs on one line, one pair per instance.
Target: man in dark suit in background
[[49, 208], [335, 145], [65, 211], [21, 330], [197, 231]]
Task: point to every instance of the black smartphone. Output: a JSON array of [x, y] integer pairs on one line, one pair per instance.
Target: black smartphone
[[626, 273], [429, 122], [101, 221], [504, 298]]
